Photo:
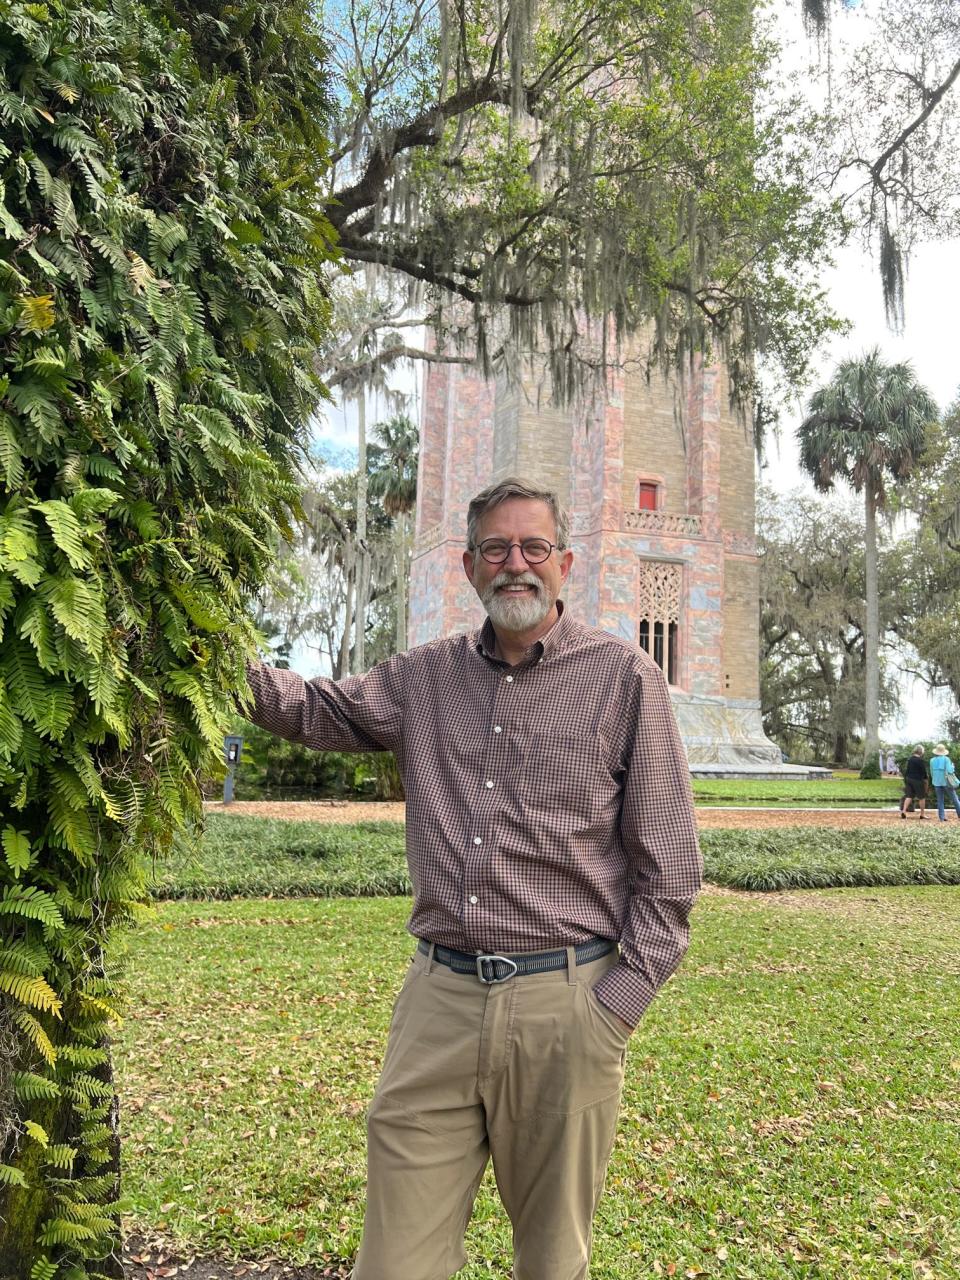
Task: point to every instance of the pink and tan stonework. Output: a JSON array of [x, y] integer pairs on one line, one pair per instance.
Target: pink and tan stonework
[[681, 436]]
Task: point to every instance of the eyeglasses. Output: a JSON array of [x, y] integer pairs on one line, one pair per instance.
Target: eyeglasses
[[533, 550]]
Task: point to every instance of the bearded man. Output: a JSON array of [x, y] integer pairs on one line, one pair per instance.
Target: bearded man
[[554, 860]]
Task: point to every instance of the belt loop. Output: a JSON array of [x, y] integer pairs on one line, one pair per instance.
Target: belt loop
[[571, 966], [433, 947]]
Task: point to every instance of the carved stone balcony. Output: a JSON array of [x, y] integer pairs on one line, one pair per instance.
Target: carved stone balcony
[[663, 522]]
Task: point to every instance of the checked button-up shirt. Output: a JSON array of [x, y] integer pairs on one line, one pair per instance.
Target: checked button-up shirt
[[547, 803]]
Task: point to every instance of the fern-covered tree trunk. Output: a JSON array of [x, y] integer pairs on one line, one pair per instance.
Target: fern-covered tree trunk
[[161, 289]]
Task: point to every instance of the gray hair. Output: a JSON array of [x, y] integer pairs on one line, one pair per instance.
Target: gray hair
[[511, 487], [918, 751]]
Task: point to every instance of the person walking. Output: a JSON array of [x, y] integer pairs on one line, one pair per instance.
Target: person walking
[[944, 778], [914, 783], [554, 859]]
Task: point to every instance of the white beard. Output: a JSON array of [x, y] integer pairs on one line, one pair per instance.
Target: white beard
[[516, 613]]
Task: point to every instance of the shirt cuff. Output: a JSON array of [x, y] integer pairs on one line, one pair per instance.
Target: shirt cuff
[[624, 992]]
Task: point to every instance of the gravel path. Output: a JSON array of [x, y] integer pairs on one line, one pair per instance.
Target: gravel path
[[392, 811]]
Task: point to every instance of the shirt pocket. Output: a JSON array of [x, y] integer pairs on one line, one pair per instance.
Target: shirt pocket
[[567, 776]]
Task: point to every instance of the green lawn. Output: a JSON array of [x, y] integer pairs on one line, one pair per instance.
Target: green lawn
[[792, 1106], [260, 857], [847, 791]]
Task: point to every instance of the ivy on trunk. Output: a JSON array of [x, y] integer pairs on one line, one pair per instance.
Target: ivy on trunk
[[161, 289]]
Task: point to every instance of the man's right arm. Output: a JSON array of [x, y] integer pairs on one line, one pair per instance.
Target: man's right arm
[[360, 713]]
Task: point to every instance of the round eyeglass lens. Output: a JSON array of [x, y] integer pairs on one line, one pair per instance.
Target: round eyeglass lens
[[533, 550]]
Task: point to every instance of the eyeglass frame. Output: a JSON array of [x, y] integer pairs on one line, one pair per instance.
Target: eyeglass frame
[[553, 546]]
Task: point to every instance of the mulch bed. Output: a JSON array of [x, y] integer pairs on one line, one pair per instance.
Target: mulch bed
[[707, 818]]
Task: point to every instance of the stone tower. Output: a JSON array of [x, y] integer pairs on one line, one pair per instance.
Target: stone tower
[[660, 486]]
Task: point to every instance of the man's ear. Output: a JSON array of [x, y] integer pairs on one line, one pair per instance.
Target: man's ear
[[566, 564], [468, 565]]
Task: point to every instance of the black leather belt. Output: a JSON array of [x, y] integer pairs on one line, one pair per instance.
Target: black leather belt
[[492, 968]]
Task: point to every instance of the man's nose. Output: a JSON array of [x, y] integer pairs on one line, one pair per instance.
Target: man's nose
[[515, 561]]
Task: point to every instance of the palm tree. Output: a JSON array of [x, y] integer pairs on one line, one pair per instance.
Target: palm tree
[[393, 480], [867, 426]]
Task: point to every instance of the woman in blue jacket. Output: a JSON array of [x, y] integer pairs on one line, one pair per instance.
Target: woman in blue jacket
[[944, 778]]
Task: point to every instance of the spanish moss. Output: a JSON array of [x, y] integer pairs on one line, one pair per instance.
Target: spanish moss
[[892, 272]]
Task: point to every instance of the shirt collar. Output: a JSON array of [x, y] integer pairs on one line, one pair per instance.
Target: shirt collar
[[486, 639]]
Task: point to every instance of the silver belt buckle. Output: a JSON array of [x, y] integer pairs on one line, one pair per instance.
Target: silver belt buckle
[[515, 968]]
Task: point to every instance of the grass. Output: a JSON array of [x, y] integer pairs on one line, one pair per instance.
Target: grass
[[262, 857], [837, 791], [254, 857], [791, 1107]]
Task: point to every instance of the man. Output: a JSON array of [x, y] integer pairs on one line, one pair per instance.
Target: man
[[554, 860]]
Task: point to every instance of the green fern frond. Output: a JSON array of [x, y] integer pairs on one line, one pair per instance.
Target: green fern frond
[[35, 1034], [42, 175], [111, 252], [72, 829], [11, 1177], [58, 1231], [11, 457], [37, 1132], [67, 784], [78, 605], [83, 1085], [27, 683], [16, 850], [34, 992], [65, 257], [30, 1087], [24, 956], [201, 603], [74, 140], [66, 530], [34, 625], [79, 1055], [38, 403], [58, 712], [103, 468], [31, 903]]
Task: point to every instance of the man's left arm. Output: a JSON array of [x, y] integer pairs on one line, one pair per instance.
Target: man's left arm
[[659, 834]]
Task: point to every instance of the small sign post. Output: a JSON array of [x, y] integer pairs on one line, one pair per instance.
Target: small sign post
[[232, 750]]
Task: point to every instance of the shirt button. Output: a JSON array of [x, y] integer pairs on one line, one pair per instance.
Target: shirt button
[[477, 840], [497, 729], [488, 784], [509, 679], [474, 899]]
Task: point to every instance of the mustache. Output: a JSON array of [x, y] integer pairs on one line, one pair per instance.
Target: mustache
[[524, 579]]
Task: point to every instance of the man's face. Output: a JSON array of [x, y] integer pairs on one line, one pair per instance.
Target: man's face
[[518, 596]]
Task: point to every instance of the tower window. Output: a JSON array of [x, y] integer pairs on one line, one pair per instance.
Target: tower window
[[659, 607], [647, 496]]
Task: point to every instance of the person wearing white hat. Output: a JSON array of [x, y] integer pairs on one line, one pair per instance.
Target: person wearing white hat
[[943, 775]]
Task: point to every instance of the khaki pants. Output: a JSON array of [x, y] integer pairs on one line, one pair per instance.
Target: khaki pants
[[528, 1073]]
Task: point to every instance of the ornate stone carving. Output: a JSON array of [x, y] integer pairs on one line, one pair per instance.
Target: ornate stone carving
[[660, 591], [663, 522]]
